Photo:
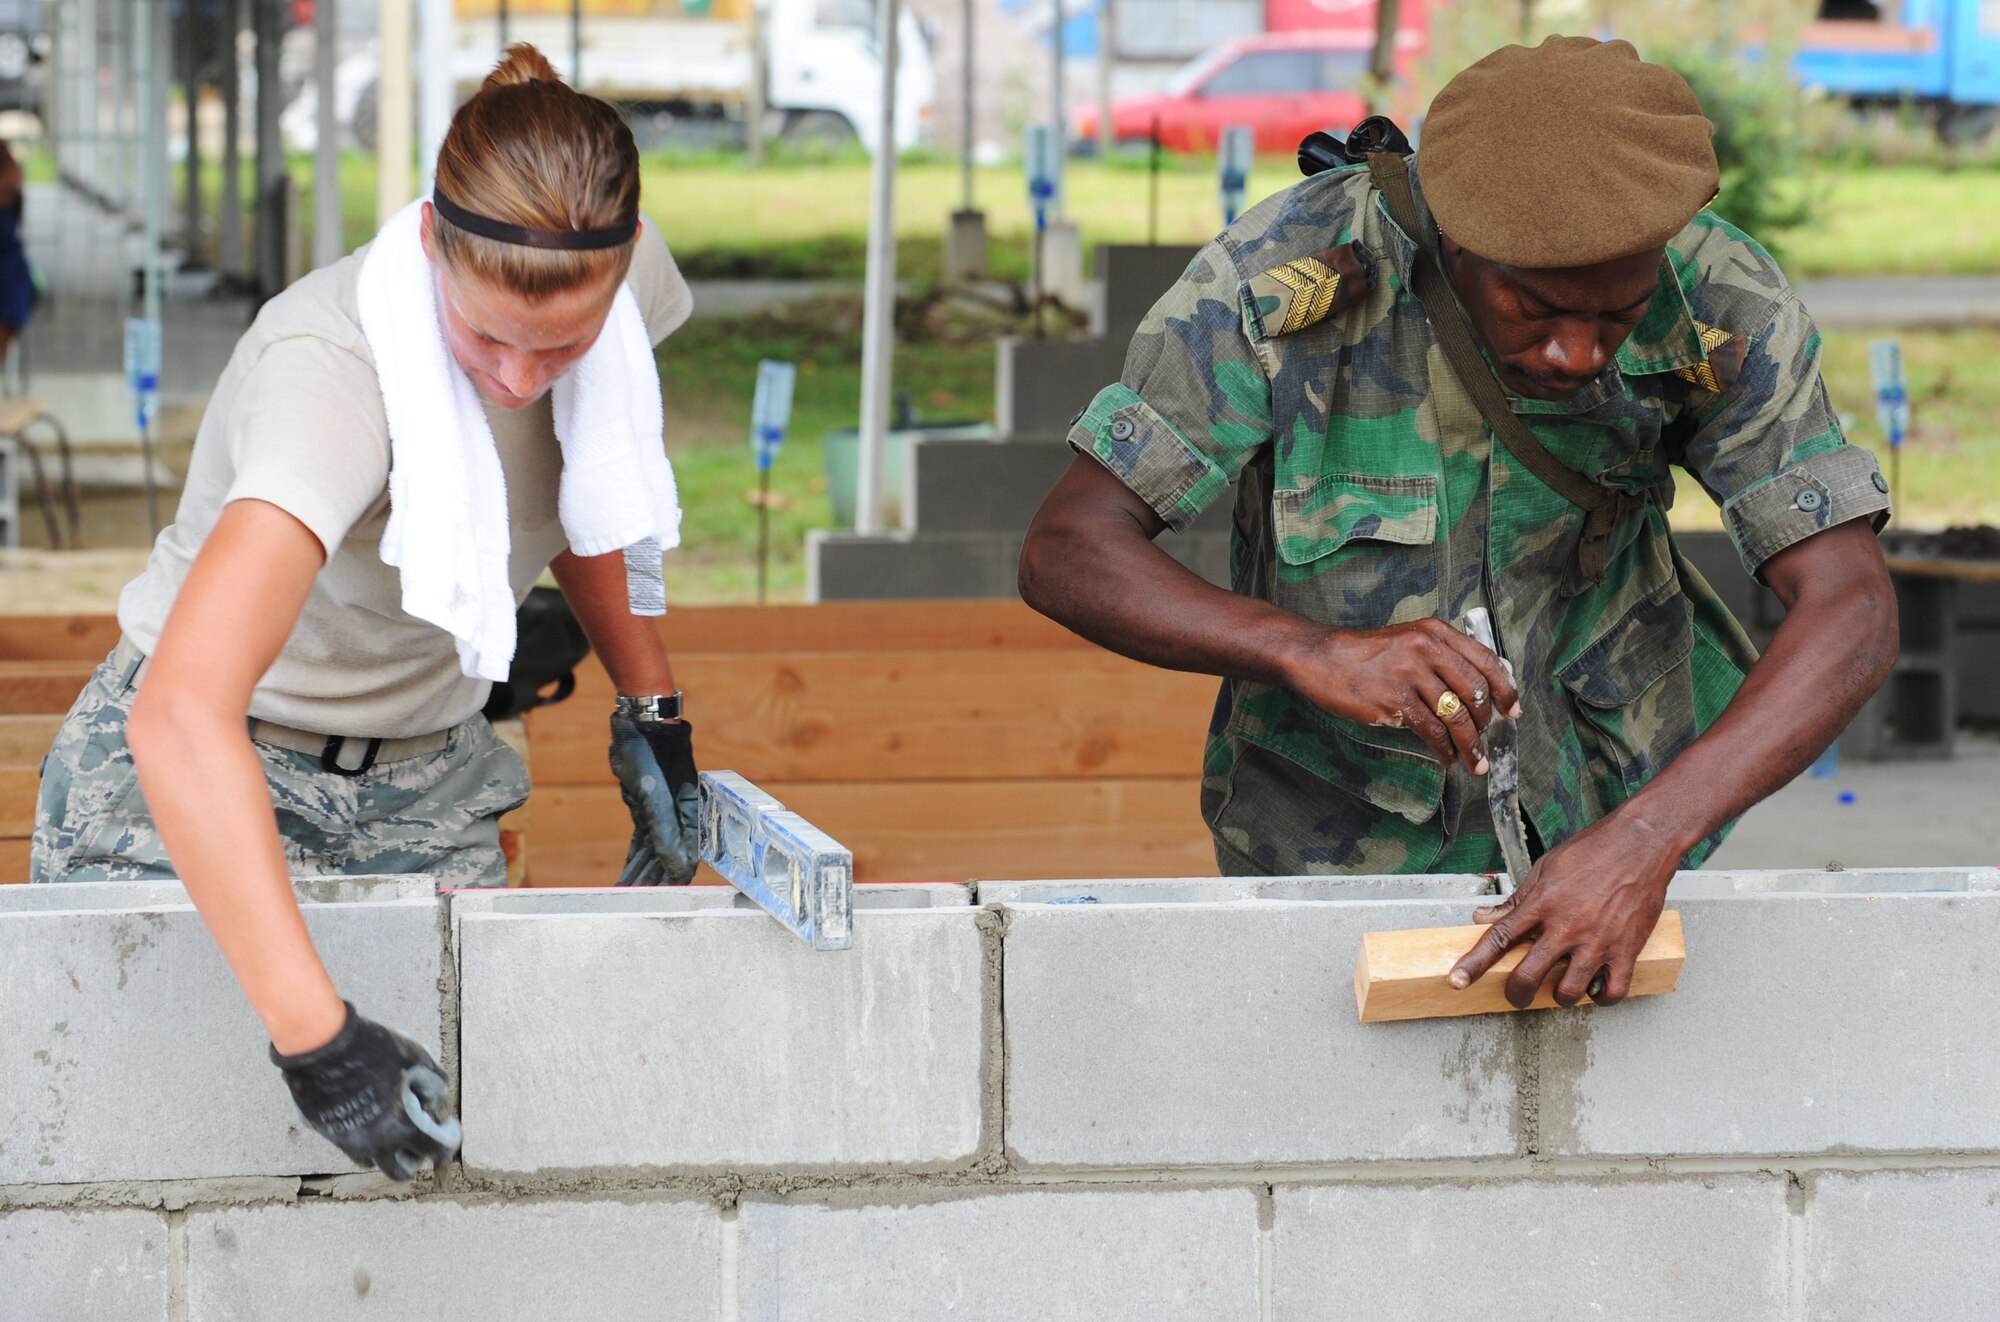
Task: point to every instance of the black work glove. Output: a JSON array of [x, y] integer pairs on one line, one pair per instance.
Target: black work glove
[[375, 1095], [654, 762]]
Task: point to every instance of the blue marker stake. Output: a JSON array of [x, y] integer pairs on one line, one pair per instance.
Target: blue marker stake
[[1892, 401], [770, 415], [142, 375], [1042, 159], [1239, 149]]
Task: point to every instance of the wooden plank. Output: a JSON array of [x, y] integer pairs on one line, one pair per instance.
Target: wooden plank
[[25, 739], [41, 688], [944, 831], [863, 626], [906, 716], [1963, 571], [18, 789], [13, 861], [867, 626], [1401, 975], [57, 637]]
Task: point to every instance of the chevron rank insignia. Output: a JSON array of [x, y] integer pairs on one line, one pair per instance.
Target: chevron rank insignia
[[1723, 356], [1306, 291]]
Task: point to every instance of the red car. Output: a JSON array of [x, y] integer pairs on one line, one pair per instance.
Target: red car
[[1283, 85]]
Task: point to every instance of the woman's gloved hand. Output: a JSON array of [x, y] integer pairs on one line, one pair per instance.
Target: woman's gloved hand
[[654, 763], [377, 1096]]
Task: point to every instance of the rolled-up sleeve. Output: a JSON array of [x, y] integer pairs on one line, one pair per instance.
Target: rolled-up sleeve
[[1771, 451], [1193, 404]]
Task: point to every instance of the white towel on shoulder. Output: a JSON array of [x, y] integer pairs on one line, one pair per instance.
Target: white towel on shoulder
[[447, 532]]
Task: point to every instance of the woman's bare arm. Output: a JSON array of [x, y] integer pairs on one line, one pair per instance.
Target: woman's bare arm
[[202, 778]]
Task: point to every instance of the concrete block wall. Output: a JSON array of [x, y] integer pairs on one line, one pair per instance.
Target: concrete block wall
[[1093, 1099]]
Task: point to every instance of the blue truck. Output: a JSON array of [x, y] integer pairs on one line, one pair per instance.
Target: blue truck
[[1942, 54]]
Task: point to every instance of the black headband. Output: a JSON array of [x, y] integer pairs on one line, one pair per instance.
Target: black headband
[[501, 232]]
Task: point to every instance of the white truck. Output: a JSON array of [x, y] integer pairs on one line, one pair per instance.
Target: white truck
[[681, 70]]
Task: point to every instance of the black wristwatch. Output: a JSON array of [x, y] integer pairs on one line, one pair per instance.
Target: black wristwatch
[[653, 707]]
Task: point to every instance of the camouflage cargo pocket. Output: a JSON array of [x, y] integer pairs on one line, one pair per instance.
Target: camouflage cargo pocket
[[1633, 694], [1357, 551]]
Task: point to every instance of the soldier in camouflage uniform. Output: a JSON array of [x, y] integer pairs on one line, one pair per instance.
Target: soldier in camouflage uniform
[[1374, 509]]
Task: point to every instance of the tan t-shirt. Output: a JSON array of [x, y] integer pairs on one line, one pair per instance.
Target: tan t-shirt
[[297, 420]]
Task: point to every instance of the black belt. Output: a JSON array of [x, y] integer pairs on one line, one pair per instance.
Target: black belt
[[337, 753]]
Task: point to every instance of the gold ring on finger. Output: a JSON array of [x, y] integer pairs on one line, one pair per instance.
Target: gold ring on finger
[[1448, 705]]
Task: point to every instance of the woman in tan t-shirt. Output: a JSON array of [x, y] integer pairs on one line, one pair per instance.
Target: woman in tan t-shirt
[[273, 709]]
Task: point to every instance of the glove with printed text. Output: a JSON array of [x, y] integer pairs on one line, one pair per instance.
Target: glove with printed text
[[375, 1095]]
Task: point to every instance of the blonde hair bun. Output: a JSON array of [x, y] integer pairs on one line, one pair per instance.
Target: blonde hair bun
[[521, 64]]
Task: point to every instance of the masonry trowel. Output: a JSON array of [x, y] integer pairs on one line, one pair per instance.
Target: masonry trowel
[[1503, 767]]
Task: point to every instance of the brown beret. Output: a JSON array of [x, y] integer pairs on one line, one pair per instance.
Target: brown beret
[[1567, 154]]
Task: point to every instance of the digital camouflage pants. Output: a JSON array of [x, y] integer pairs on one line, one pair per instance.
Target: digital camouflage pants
[[436, 814]]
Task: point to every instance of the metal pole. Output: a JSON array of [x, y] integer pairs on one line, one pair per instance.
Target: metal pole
[[1382, 63], [965, 134], [756, 107], [153, 36], [434, 109], [191, 33], [576, 44], [1057, 118], [133, 106], [763, 534], [86, 98], [229, 231], [502, 16], [1153, 188], [1106, 138], [153, 43], [393, 120], [271, 208], [62, 97], [878, 312], [328, 241], [127, 106]]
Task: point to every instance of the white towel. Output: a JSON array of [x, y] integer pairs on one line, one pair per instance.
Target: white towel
[[447, 530]]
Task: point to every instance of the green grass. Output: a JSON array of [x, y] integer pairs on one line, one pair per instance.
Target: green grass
[[1950, 467], [1899, 220], [710, 369]]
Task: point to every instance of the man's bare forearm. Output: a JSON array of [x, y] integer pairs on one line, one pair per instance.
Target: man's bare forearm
[[1090, 564], [1829, 656]]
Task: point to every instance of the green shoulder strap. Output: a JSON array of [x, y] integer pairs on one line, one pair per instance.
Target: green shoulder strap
[[1602, 507]]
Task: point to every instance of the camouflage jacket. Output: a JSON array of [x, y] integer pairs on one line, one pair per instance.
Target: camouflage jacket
[[1294, 359]]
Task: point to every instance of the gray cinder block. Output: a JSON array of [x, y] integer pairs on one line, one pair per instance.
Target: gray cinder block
[[127, 1051], [1903, 1244], [1134, 277], [1105, 1255], [609, 1261], [101, 1266], [1803, 1023], [1210, 890], [718, 1041], [1633, 1249], [844, 566], [981, 486], [1039, 386], [1832, 881], [1226, 1034]]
